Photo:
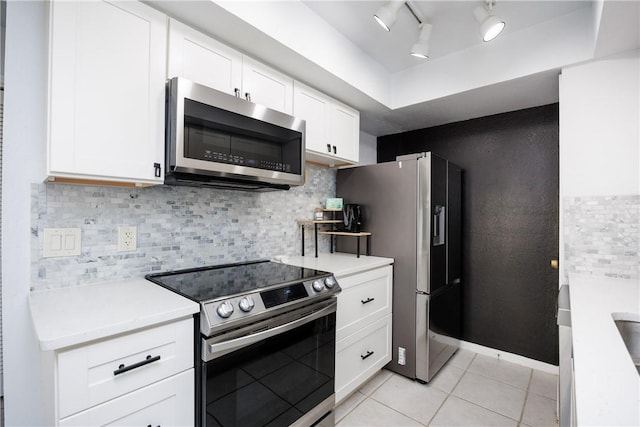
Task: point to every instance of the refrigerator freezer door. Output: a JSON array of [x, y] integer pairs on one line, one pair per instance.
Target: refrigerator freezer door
[[437, 330]]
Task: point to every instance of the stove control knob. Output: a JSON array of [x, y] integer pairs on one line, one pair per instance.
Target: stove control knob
[[246, 304], [225, 309], [317, 285], [330, 282]]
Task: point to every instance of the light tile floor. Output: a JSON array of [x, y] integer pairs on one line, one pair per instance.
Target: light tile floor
[[470, 390]]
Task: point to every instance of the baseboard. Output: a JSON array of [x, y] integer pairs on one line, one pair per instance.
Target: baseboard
[[510, 357]]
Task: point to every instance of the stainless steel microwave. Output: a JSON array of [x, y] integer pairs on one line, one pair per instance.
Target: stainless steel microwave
[[216, 139]]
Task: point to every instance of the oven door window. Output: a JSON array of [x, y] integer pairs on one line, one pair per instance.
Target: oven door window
[[275, 381]]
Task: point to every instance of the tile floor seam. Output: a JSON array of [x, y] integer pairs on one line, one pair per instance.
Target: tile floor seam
[[501, 382], [366, 396], [449, 394], [396, 411], [352, 409], [526, 397], [487, 409]]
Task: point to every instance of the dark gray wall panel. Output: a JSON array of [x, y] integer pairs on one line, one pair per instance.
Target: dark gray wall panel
[[510, 223]]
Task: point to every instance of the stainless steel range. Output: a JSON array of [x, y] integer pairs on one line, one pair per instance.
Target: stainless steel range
[[266, 342]]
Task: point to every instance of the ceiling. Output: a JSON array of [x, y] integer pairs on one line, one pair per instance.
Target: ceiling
[[454, 27], [336, 47]]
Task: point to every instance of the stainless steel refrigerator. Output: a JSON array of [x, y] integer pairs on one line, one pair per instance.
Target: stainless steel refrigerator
[[412, 207]]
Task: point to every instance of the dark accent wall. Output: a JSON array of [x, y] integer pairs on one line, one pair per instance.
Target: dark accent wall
[[510, 223]]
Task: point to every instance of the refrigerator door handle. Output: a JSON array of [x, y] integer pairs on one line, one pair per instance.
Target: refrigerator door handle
[[438, 225]]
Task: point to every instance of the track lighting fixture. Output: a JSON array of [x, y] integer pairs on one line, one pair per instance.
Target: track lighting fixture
[[420, 48], [490, 25], [387, 14], [386, 17]]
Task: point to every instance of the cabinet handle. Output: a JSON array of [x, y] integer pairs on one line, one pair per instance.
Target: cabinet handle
[[247, 96], [368, 300], [157, 170], [236, 91], [335, 150], [328, 148], [122, 368], [369, 353]]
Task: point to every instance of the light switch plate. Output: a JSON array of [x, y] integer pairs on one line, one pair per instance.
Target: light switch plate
[[60, 242]]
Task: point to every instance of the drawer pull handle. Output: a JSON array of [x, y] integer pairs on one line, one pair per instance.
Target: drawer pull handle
[[366, 301], [369, 353], [122, 368]]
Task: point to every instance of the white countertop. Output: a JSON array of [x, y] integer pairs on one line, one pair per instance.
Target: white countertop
[[69, 316], [340, 264], [607, 384]]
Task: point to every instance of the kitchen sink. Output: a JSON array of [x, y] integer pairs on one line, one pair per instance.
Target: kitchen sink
[[630, 332]]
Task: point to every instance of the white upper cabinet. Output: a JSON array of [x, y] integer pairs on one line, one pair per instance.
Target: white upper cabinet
[[344, 125], [204, 60], [333, 129], [106, 93], [266, 86]]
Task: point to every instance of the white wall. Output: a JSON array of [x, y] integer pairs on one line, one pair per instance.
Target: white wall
[[368, 149], [23, 162], [599, 142], [600, 127]]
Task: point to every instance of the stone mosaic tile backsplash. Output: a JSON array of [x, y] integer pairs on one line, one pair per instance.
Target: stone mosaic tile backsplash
[[177, 227], [602, 236]]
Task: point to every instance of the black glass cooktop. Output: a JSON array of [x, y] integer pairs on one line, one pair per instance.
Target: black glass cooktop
[[207, 283]]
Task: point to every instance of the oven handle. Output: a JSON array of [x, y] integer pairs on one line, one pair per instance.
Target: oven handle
[[224, 347]]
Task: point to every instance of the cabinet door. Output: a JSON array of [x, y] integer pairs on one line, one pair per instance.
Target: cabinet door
[[345, 131], [107, 80], [314, 107], [361, 355], [166, 403], [91, 374], [201, 59], [266, 86]]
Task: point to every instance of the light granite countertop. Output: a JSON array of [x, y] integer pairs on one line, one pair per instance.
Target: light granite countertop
[[607, 385], [69, 316], [340, 264]]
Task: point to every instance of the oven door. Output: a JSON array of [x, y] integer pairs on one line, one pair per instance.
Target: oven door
[[279, 372]]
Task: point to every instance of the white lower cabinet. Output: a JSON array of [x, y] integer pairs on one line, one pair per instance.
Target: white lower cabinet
[[144, 377], [363, 331], [165, 403]]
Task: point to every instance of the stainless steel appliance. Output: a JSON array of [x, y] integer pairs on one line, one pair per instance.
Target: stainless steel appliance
[[412, 207], [266, 342], [216, 139]]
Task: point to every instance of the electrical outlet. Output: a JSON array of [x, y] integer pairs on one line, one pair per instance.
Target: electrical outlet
[[127, 239], [402, 356]]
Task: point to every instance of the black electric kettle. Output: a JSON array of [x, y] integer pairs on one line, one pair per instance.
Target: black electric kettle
[[352, 218]]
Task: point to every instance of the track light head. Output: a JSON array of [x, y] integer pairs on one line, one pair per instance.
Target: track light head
[[490, 25], [387, 14], [420, 48]]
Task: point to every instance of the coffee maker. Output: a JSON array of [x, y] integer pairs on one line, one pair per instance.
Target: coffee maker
[[352, 218]]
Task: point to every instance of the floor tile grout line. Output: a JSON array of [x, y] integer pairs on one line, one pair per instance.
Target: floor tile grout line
[[395, 410], [526, 397], [476, 404], [365, 396], [450, 393]]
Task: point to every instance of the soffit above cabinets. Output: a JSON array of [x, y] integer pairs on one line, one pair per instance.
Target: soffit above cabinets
[[336, 47]]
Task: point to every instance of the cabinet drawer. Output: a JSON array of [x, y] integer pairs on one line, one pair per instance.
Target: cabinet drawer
[[92, 374], [361, 355], [169, 402], [365, 298]]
